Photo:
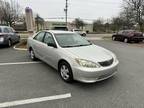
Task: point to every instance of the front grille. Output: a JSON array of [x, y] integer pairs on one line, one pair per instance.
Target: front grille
[[106, 63]]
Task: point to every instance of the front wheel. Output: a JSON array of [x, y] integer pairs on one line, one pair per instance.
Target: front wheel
[[65, 72]]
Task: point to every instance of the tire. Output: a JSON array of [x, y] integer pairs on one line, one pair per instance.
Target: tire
[[32, 55], [114, 38], [126, 40], [65, 72], [9, 43]]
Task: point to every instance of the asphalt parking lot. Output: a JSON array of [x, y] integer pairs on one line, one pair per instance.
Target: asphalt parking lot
[[21, 79]]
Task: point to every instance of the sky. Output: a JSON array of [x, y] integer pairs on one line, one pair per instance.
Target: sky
[[84, 9]]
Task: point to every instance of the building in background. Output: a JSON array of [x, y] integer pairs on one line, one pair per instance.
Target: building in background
[[51, 24]]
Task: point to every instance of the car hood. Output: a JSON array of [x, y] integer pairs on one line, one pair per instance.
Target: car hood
[[93, 53]]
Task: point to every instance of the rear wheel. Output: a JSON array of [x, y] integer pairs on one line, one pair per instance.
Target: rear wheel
[[126, 40], [32, 55], [65, 72], [9, 43]]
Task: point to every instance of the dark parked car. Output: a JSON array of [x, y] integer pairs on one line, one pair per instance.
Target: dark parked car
[[128, 36], [8, 36]]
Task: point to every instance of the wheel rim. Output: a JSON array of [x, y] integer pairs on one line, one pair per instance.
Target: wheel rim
[[125, 40], [64, 72], [32, 54], [113, 38]]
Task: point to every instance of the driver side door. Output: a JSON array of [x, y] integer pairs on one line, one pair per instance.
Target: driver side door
[[50, 53]]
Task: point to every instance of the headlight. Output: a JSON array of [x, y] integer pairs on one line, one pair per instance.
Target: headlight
[[1, 39], [86, 63]]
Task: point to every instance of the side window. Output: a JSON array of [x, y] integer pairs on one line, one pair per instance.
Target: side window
[[6, 30], [49, 39], [11, 30], [125, 33], [120, 32], [40, 36], [0, 30]]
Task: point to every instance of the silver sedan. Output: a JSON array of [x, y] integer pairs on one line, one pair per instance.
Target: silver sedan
[[73, 56]]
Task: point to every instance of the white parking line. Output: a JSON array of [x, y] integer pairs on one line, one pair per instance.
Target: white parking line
[[18, 63], [34, 100], [21, 49]]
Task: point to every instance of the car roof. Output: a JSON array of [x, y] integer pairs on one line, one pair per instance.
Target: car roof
[[58, 31]]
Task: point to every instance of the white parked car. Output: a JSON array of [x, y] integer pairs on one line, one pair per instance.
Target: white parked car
[[73, 56], [81, 32]]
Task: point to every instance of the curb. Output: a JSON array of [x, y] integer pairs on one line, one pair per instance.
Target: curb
[[19, 49]]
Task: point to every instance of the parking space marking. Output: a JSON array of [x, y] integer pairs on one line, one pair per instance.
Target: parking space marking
[[21, 49], [18, 63], [34, 100]]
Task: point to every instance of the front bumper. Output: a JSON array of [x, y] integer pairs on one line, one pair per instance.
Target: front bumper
[[90, 75]]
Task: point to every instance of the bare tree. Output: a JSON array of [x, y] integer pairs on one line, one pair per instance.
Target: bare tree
[[136, 8], [79, 23], [10, 11], [98, 25]]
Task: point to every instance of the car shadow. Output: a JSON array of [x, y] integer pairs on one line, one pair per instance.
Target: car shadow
[[3, 47]]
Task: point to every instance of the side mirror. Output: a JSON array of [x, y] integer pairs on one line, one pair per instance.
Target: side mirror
[[52, 45]]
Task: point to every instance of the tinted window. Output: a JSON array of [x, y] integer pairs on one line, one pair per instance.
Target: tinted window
[[48, 38], [39, 37]]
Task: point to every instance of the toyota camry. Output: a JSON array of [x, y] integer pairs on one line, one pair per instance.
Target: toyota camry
[[73, 56]]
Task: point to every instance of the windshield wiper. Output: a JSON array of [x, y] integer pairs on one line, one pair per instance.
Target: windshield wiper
[[76, 45], [83, 45], [67, 46]]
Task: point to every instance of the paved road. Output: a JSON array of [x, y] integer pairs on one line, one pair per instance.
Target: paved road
[[99, 35], [124, 90]]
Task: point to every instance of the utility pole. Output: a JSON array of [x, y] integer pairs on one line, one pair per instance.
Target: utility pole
[[66, 13]]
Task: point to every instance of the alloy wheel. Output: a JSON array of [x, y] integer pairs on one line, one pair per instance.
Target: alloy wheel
[[64, 71], [126, 40]]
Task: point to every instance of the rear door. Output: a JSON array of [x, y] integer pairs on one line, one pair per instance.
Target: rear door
[[37, 44], [7, 34], [13, 34]]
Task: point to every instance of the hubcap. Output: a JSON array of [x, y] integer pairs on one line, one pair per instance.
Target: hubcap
[[32, 54], [64, 72], [125, 40], [113, 38]]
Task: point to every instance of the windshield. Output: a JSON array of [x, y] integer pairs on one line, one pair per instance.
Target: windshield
[[71, 40]]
